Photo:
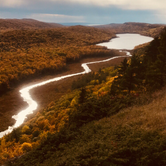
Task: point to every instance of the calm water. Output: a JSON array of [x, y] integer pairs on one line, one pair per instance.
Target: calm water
[[124, 41]]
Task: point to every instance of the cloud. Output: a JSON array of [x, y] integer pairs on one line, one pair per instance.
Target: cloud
[[93, 10], [161, 16], [12, 3], [125, 4], [156, 5], [57, 18]]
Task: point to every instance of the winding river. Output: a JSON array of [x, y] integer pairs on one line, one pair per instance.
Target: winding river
[[123, 42]]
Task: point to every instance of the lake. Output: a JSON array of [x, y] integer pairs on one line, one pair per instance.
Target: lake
[[126, 41]]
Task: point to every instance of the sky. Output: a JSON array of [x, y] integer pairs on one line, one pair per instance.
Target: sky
[[86, 11]]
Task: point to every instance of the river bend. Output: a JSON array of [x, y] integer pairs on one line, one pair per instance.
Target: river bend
[[113, 44]]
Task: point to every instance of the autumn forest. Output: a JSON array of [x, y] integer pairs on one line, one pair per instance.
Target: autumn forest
[[107, 117]]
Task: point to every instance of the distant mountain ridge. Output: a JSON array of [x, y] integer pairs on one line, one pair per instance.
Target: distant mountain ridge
[[7, 24], [134, 27], [127, 27]]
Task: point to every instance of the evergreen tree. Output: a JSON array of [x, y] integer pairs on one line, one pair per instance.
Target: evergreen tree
[[123, 67], [128, 76], [152, 51], [116, 85], [156, 63], [82, 96], [131, 76], [161, 58]]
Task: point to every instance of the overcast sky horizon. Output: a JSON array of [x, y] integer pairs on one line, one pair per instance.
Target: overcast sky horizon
[[86, 11]]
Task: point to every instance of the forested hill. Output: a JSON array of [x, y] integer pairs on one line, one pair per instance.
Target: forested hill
[[115, 116], [11, 24], [30, 53]]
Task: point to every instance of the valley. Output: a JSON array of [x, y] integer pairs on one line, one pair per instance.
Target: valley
[[70, 108]]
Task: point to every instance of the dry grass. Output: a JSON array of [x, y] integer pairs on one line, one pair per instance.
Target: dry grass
[[148, 117]]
